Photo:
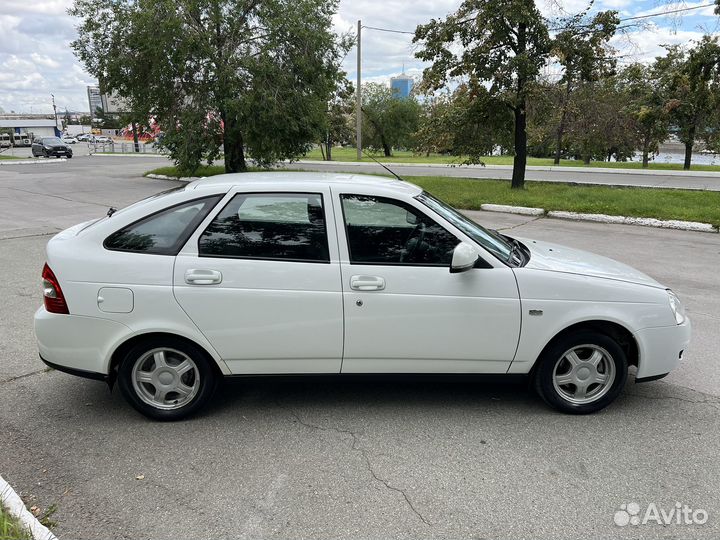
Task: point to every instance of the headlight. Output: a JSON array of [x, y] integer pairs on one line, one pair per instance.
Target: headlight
[[677, 307]]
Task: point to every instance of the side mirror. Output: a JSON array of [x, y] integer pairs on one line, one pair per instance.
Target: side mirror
[[464, 258]]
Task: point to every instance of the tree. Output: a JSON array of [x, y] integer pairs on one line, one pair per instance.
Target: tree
[[582, 50], [230, 74], [339, 115], [388, 122], [693, 87], [504, 44], [457, 124], [645, 102]]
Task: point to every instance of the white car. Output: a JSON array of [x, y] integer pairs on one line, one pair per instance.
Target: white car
[[69, 139], [298, 273]]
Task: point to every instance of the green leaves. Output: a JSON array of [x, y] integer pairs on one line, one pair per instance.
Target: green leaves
[[241, 75]]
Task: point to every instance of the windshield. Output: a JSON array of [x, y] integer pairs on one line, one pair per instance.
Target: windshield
[[51, 140], [491, 241]]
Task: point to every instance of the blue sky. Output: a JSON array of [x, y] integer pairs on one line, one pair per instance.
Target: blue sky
[[36, 60]]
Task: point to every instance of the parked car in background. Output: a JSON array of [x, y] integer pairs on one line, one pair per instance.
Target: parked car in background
[[51, 146], [102, 139], [69, 139], [299, 273], [84, 137]]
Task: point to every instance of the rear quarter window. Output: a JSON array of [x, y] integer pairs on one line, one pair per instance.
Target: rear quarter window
[[163, 232]]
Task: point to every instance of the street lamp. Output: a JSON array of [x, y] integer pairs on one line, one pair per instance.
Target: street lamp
[[54, 110]]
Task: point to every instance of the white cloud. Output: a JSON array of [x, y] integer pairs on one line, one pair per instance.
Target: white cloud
[[36, 59]]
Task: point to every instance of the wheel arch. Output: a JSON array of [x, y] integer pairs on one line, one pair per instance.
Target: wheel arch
[[123, 348], [624, 338]]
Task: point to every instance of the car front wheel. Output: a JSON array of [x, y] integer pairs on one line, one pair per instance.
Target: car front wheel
[[167, 379], [581, 373]]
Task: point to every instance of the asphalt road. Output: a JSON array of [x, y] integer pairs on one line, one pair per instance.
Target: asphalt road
[[317, 457]]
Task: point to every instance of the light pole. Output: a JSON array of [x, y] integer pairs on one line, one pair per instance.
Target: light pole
[[54, 110], [358, 94]]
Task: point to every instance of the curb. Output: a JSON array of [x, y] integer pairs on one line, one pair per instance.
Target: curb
[[645, 222], [16, 508], [523, 210], [187, 179], [133, 155], [30, 161]]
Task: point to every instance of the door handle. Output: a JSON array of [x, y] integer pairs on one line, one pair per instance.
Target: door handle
[[203, 277], [367, 283]]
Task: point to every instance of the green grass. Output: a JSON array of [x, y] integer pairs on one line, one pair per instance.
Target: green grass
[[469, 194], [10, 529], [657, 203], [2, 156], [350, 154], [204, 170]]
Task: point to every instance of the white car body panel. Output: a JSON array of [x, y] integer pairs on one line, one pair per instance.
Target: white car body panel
[[269, 316]]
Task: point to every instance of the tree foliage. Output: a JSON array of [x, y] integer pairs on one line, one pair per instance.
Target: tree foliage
[[230, 74], [503, 44], [388, 121]]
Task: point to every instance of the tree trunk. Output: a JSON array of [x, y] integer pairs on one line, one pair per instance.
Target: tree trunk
[[322, 151], [386, 148], [689, 142], [520, 142], [646, 151], [329, 147], [136, 142], [561, 127], [233, 144], [520, 159]]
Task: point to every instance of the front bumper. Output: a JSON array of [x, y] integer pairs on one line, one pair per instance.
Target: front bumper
[[661, 349]]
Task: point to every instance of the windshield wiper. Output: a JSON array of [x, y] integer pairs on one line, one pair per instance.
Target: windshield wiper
[[516, 247]]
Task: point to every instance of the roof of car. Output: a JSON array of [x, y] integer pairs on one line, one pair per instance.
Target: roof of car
[[305, 180]]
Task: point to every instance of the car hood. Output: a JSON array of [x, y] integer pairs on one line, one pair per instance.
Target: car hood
[[557, 258]]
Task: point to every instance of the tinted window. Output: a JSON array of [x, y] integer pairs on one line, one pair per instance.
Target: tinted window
[[164, 232], [286, 226], [385, 231]]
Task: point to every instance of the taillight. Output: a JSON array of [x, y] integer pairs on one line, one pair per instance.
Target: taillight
[[52, 293]]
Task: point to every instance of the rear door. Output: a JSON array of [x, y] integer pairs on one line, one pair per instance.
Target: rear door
[[261, 280]]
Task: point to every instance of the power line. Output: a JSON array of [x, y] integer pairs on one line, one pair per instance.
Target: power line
[[388, 30]]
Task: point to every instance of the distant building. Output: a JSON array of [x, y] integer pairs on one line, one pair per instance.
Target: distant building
[[401, 85], [30, 127], [113, 104], [94, 99]]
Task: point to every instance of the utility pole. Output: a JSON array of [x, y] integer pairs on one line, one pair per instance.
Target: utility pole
[[54, 110], [358, 94]]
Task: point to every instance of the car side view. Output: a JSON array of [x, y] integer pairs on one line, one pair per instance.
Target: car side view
[[308, 273]]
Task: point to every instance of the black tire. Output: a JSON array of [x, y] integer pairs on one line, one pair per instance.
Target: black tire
[[613, 362], [69, 156], [203, 374]]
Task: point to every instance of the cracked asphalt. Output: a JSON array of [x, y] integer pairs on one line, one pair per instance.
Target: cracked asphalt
[[347, 458]]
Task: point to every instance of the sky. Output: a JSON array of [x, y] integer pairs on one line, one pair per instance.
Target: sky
[[36, 59]]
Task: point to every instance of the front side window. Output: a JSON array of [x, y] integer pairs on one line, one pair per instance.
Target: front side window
[[164, 232], [275, 226], [386, 231]]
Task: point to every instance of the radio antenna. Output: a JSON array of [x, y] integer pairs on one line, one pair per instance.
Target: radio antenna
[[383, 166]]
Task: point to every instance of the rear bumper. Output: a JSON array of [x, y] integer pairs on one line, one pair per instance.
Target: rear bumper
[[76, 372], [75, 344], [661, 350]]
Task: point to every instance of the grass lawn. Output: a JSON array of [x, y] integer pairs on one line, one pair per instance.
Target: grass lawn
[[349, 154], [469, 194], [10, 529], [2, 156]]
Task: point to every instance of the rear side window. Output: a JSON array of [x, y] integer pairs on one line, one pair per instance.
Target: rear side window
[[164, 232], [275, 226]]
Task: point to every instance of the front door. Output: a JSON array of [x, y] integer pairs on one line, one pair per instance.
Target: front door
[[261, 280], [404, 311]]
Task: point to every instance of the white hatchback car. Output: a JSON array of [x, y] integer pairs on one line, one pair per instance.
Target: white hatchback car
[[296, 273]]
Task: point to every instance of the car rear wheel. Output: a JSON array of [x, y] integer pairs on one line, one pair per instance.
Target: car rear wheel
[[167, 379], [581, 373]]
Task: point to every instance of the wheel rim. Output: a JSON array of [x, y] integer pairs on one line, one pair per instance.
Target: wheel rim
[[165, 378], [584, 374]]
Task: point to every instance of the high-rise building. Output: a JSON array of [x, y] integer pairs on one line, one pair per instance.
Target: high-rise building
[[401, 85], [94, 99]]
